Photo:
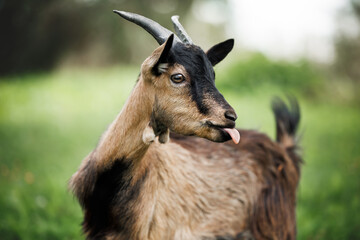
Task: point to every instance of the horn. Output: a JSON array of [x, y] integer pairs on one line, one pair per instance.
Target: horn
[[180, 31], [160, 33]]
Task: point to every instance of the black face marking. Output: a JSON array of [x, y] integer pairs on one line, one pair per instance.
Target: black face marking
[[112, 189], [202, 75]]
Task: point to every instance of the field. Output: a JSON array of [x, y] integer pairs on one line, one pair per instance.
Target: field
[[50, 121]]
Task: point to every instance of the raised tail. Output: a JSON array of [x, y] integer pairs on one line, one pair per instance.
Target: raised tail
[[287, 121]]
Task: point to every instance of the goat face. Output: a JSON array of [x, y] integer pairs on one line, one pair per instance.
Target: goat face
[[186, 99]]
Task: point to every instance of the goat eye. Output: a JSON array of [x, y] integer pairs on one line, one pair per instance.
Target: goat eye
[[177, 78]]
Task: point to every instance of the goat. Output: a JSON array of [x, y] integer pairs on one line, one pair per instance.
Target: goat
[[154, 173]]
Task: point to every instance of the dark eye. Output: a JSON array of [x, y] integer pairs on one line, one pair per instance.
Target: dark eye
[[177, 78]]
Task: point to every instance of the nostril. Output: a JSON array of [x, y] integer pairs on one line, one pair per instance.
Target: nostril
[[231, 115]]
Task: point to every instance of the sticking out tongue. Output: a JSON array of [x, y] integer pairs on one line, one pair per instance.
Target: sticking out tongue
[[234, 134]]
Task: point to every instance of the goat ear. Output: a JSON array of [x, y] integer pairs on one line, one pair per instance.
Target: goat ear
[[218, 52], [161, 64]]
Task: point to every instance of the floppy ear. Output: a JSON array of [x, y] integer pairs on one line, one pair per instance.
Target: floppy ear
[[161, 64], [218, 52]]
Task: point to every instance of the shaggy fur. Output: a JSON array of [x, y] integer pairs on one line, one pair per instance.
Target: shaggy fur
[[139, 183]]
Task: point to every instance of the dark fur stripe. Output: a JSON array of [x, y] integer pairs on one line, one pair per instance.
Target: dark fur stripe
[[107, 207], [201, 73]]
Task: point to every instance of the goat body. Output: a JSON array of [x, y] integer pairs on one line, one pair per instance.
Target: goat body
[[189, 188], [142, 183]]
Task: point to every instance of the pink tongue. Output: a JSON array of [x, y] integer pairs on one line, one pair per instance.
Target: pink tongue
[[234, 134]]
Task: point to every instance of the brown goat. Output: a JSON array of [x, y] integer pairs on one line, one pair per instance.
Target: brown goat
[[155, 174]]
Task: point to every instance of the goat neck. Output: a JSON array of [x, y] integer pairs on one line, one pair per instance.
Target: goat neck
[[124, 137]]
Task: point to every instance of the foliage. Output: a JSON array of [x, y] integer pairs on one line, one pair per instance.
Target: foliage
[[348, 57], [347, 46], [49, 122], [257, 70], [39, 35]]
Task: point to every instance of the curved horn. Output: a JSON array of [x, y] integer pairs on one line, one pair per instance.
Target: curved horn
[[156, 30], [180, 31]]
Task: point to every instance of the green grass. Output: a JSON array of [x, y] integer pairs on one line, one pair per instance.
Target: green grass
[[49, 122]]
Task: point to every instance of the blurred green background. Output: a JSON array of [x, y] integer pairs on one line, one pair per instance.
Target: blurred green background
[[68, 66]]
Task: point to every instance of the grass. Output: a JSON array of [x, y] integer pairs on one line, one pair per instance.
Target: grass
[[49, 122]]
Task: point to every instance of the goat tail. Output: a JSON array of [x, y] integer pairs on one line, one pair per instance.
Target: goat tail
[[287, 121]]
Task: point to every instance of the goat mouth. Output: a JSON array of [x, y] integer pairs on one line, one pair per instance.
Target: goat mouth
[[228, 131], [218, 126]]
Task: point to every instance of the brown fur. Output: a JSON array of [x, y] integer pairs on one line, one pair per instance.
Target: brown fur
[[134, 187]]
